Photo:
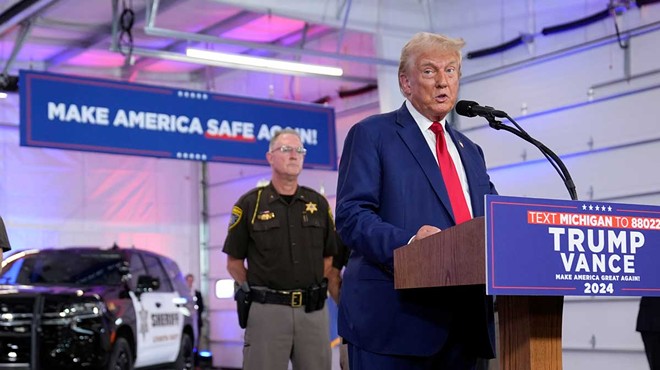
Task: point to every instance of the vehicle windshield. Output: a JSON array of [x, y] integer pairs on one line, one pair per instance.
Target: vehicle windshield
[[65, 268]]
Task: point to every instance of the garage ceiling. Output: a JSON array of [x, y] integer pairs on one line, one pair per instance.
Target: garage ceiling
[[144, 40]]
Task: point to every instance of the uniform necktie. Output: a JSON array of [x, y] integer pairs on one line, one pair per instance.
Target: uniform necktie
[[450, 176]]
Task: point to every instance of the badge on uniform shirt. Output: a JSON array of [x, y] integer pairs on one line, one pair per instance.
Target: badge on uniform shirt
[[235, 217], [311, 207], [265, 216]]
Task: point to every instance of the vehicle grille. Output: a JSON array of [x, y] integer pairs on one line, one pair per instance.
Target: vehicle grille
[[16, 319], [32, 332]]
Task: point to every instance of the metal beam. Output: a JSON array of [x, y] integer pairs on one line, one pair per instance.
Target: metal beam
[[239, 19], [342, 31], [292, 39], [23, 33], [161, 32], [21, 11], [253, 47], [101, 35]]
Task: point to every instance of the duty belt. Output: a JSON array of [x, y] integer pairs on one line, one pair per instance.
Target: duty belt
[[293, 298]]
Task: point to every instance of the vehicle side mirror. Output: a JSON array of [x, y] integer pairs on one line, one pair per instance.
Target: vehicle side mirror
[[147, 283]]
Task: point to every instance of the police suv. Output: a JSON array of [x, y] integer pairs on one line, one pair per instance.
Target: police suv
[[92, 308]]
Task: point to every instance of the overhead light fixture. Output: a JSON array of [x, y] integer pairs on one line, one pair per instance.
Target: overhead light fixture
[[262, 64], [180, 57], [3, 95]]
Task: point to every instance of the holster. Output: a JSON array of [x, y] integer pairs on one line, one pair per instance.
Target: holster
[[243, 302], [316, 296]]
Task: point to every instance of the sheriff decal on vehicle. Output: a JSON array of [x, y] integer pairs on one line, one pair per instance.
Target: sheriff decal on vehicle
[[144, 323], [165, 319]]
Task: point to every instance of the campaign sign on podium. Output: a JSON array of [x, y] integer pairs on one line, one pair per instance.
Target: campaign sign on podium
[[565, 247]]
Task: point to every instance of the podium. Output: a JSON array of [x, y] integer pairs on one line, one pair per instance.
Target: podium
[[529, 326]]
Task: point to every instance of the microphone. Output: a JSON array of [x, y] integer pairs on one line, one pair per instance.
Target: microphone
[[469, 108]]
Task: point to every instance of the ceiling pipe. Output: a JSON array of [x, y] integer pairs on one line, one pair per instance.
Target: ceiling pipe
[[21, 11]]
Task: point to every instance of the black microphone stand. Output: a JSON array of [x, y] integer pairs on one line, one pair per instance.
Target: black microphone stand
[[549, 154]]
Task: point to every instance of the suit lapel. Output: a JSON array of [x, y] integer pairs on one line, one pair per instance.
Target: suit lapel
[[414, 140], [468, 158]]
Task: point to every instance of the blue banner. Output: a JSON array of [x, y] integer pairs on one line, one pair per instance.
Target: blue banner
[[555, 247], [68, 112]]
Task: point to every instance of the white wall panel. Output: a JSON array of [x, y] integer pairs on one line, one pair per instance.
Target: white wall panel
[[9, 113], [61, 198], [601, 175], [650, 198], [589, 324], [218, 269], [229, 331], [219, 173], [599, 125], [601, 360], [229, 355], [219, 224], [223, 195], [545, 86], [58, 198]]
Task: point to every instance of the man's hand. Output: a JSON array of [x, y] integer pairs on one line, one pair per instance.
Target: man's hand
[[237, 270], [425, 231], [334, 284]]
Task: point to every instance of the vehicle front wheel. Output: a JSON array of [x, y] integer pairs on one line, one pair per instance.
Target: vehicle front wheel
[[185, 360], [121, 358]]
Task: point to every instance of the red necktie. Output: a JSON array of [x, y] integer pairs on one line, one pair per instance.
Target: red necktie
[[448, 171]]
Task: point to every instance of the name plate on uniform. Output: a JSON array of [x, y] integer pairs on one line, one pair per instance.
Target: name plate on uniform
[[557, 247]]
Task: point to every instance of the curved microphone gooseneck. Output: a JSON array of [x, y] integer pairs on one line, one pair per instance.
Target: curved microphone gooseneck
[[472, 109]]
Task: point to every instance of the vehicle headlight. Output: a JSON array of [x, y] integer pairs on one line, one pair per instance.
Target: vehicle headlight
[[74, 311], [82, 309]]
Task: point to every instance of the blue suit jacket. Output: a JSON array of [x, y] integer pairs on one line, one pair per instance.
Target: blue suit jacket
[[389, 186]]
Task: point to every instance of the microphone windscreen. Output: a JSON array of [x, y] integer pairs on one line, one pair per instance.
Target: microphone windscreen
[[464, 108]]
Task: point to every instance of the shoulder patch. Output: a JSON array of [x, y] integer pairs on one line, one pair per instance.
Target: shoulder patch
[[235, 218]]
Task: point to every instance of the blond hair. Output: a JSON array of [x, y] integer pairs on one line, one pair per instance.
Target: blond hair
[[422, 41]]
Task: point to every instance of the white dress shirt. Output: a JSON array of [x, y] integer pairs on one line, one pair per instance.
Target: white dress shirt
[[424, 125]]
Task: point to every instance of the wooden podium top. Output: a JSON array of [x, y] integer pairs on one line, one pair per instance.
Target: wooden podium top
[[455, 256]]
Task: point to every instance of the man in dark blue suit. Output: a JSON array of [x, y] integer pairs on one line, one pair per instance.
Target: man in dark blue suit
[[648, 324], [393, 188]]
